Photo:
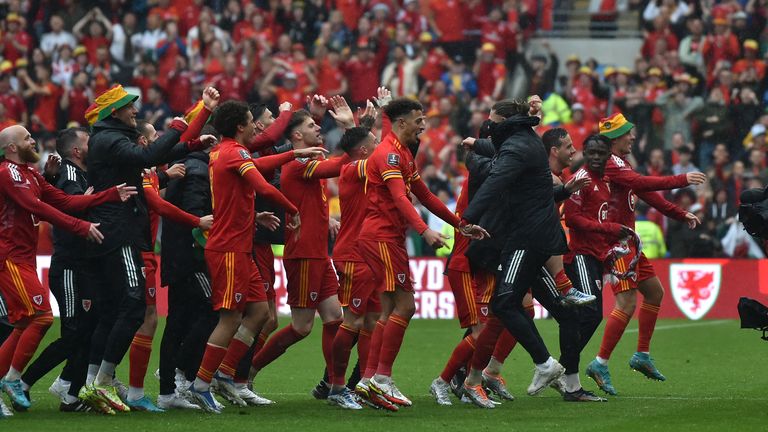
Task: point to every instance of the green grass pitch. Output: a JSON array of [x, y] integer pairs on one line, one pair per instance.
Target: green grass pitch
[[716, 381]]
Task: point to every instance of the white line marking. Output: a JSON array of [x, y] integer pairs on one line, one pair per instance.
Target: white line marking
[[678, 326]]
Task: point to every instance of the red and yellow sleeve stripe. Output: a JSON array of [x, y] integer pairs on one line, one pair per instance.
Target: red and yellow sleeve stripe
[[415, 177], [310, 169], [391, 174], [245, 167], [146, 183], [361, 167]]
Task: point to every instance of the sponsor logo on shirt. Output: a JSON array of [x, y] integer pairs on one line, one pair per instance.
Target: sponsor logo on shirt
[[393, 159]]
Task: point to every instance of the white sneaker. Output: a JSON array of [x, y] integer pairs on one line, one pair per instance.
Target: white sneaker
[[251, 397], [387, 388], [225, 387], [180, 380], [544, 377], [4, 410], [174, 401], [441, 390], [345, 399], [59, 388]]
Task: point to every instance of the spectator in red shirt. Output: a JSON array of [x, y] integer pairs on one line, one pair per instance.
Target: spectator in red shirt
[[230, 84], [491, 74], [447, 20], [578, 129], [15, 108], [180, 87], [46, 96], [330, 79], [75, 100], [722, 45], [412, 17], [662, 31], [189, 16], [435, 63], [499, 33], [99, 32], [365, 69], [750, 60], [168, 49], [15, 41]]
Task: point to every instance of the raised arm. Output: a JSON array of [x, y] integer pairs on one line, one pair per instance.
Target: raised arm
[[74, 203], [23, 196], [262, 187], [618, 171], [128, 153], [166, 209], [272, 134], [325, 169], [394, 181], [666, 208]]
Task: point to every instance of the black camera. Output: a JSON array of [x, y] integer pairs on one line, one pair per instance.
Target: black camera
[[753, 212]]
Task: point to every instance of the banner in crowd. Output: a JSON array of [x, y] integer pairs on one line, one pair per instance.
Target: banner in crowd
[[694, 288]]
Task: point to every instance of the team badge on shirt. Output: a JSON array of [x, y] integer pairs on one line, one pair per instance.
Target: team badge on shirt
[[356, 302], [38, 299], [86, 305], [313, 296], [238, 297], [151, 292], [393, 159], [244, 154], [401, 277]]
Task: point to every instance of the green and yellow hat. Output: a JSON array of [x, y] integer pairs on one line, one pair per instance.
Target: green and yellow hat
[[615, 126], [112, 100]]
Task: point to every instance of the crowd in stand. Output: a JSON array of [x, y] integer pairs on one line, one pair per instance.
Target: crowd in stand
[[696, 91]]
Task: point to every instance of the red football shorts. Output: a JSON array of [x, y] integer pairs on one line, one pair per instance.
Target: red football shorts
[[310, 281], [357, 289], [150, 277], [388, 262], [485, 283], [644, 272], [265, 261], [464, 297], [23, 293], [235, 280]]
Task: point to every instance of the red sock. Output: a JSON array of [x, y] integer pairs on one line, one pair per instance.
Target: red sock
[[30, 340], [392, 339], [363, 348], [374, 350], [342, 346], [141, 349], [235, 352], [7, 350], [562, 283], [260, 341], [459, 357], [614, 328], [329, 333], [212, 358], [276, 346], [647, 323], [504, 345], [485, 343]]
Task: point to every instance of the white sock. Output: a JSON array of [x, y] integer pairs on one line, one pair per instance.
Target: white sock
[[25, 386], [572, 382], [382, 379], [93, 369], [135, 393], [601, 360], [546, 365], [69, 399], [223, 375], [12, 375], [201, 385]]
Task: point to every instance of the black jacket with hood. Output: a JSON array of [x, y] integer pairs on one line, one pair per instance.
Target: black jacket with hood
[[114, 157], [516, 201]]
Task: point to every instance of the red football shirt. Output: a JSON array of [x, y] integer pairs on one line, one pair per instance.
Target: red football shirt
[[302, 182], [625, 182], [586, 215], [14, 105], [391, 161], [459, 261], [26, 199], [234, 178], [352, 201]]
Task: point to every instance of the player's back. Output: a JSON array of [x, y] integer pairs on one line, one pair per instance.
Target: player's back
[[353, 205], [391, 160], [231, 199], [308, 195]]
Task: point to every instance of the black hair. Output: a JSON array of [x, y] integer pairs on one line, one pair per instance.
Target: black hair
[[684, 149], [553, 138], [297, 118], [143, 127], [596, 139], [401, 107], [257, 110], [66, 140], [208, 129], [352, 138], [228, 116], [509, 107]]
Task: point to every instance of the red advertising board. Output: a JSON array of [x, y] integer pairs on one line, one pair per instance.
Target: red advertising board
[[694, 288]]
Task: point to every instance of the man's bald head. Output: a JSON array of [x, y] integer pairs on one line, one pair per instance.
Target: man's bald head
[[18, 145]]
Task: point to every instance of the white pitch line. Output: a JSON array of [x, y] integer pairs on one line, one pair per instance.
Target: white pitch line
[[678, 326], [704, 398]]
